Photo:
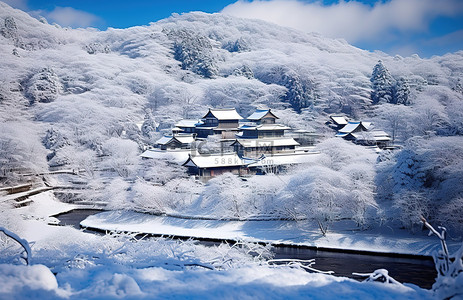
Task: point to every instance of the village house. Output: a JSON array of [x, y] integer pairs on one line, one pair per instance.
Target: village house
[[186, 126], [337, 121], [255, 145], [261, 135], [260, 147], [176, 141], [223, 122], [361, 133]]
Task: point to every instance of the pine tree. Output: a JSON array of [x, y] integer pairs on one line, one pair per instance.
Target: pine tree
[[382, 84], [149, 125], [458, 87], [402, 92]]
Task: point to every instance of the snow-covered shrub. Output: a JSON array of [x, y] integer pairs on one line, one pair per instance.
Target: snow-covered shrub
[[425, 177], [121, 156], [225, 196], [20, 150], [117, 195], [94, 48], [410, 205], [339, 185], [45, 86], [150, 198]]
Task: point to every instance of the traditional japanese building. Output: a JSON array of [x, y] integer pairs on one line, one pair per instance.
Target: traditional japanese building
[[353, 127], [176, 141], [267, 146], [337, 121], [224, 122], [187, 126], [257, 145], [261, 135], [361, 133]]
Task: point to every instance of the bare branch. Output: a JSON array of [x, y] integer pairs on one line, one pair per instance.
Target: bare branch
[[22, 242]]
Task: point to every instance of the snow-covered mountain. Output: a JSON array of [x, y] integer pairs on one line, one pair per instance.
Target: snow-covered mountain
[[75, 98]]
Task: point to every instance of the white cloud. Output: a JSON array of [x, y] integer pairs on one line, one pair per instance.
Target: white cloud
[[68, 16], [353, 21]]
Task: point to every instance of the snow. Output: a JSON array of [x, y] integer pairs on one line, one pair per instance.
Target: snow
[[265, 127], [98, 86], [164, 140], [88, 266], [225, 114], [177, 156], [339, 120], [188, 123], [302, 233], [214, 161], [351, 126], [259, 114], [267, 142]]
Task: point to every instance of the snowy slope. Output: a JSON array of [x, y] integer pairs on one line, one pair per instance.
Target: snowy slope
[[74, 99]]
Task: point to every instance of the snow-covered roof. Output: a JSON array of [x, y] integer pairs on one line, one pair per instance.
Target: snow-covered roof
[[214, 161], [285, 159], [353, 126], [264, 127], [248, 143], [164, 140], [259, 114], [376, 135], [339, 120], [177, 156], [188, 123], [185, 139], [181, 138], [233, 160], [224, 114]]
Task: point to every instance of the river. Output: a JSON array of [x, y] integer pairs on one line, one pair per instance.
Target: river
[[416, 270]]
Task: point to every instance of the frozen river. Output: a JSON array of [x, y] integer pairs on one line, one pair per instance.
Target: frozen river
[[419, 271]]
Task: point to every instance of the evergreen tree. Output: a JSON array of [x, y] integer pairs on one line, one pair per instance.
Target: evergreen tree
[[458, 87], [382, 84], [149, 125], [402, 92]]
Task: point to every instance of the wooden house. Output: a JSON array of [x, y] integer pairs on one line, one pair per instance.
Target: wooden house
[[224, 122], [337, 121], [187, 125], [207, 166], [352, 127], [262, 116], [176, 141], [372, 138], [257, 147]]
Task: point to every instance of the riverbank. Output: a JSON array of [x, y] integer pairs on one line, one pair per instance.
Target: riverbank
[[343, 236]]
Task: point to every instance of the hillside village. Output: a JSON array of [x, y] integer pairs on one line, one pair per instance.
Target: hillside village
[[176, 121], [257, 144]]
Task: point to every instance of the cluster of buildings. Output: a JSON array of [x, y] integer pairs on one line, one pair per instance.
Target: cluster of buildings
[[243, 146], [359, 132], [223, 141]]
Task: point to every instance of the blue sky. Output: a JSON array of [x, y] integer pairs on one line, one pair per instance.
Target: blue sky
[[405, 27]]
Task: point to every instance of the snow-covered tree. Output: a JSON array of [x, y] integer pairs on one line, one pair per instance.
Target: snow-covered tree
[[402, 92], [44, 86], [382, 84], [148, 128], [194, 51], [458, 87], [301, 91]]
